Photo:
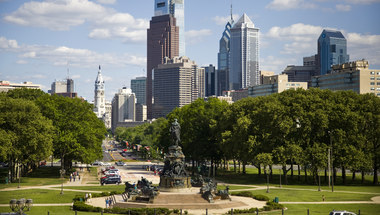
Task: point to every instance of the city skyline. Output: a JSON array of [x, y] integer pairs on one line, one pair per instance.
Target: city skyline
[[36, 44]]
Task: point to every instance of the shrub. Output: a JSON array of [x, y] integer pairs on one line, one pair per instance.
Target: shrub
[[81, 206], [243, 193], [244, 211], [273, 206], [261, 197]]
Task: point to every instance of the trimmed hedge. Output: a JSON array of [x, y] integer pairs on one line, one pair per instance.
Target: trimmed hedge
[[273, 206], [250, 194]]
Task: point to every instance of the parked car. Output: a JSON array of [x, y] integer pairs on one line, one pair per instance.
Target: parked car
[[120, 163], [112, 172], [98, 163], [110, 180], [341, 213]]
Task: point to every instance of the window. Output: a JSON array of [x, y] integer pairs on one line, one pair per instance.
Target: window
[[372, 88], [378, 78], [372, 73], [333, 48], [378, 83], [372, 83], [378, 89], [378, 73], [372, 78]]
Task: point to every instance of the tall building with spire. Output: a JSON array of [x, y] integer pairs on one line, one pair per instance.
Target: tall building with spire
[[222, 76], [163, 37], [99, 100], [244, 55], [177, 9]]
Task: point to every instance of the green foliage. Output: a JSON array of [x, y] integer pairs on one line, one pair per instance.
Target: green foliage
[[260, 197], [244, 211], [243, 193], [273, 206]]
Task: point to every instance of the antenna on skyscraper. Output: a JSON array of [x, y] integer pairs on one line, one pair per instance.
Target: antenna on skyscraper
[[232, 18], [68, 70]]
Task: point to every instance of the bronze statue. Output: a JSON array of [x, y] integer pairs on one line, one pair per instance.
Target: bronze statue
[[175, 131]]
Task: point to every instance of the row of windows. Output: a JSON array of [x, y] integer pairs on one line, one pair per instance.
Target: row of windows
[[372, 73], [373, 83], [373, 78], [293, 85], [378, 89]]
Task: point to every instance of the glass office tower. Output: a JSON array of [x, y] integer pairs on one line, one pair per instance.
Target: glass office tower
[[244, 55], [177, 9], [332, 50]]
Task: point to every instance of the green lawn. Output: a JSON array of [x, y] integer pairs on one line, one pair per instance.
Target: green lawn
[[60, 210], [369, 189], [311, 196], [106, 188], [39, 177], [365, 209], [39, 196], [252, 177], [233, 187]]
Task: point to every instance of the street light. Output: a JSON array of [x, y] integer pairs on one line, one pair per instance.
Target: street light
[[62, 172], [332, 164], [20, 205]]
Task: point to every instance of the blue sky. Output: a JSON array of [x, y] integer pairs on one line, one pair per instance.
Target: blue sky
[[39, 38]]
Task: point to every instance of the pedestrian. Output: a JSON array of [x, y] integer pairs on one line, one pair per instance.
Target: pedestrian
[[110, 203], [86, 197], [71, 176], [107, 202], [89, 197], [78, 177], [74, 177], [323, 197]]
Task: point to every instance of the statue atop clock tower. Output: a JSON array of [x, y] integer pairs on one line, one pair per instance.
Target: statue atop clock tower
[[99, 101]]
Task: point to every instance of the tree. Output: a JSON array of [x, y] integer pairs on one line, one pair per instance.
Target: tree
[[266, 160], [26, 135], [78, 132]]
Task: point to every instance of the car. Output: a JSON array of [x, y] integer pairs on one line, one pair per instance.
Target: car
[[341, 213], [120, 163], [112, 172], [97, 163], [110, 180]]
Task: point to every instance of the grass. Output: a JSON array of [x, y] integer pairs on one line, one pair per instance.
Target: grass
[[39, 177], [351, 188], [106, 188], [312, 196], [365, 209], [233, 187], [252, 177], [61, 210], [39, 196]]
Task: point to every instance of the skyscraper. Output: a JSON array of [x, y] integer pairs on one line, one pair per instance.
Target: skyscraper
[[177, 9], [177, 82], [99, 100], [332, 50], [244, 55], [210, 80], [162, 42], [224, 60], [123, 107], [138, 86]]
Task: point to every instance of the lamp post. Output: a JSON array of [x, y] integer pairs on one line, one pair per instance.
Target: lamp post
[[62, 172], [20, 205], [332, 164]]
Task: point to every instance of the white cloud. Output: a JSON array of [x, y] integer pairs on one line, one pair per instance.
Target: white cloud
[[196, 36], [343, 7], [276, 64], [61, 15], [56, 15], [364, 46], [297, 32], [21, 62], [290, 4], [8, 44], [222, 20], [106, 1], [75, 77], [39, 76], [362, 1], [58, 56]]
